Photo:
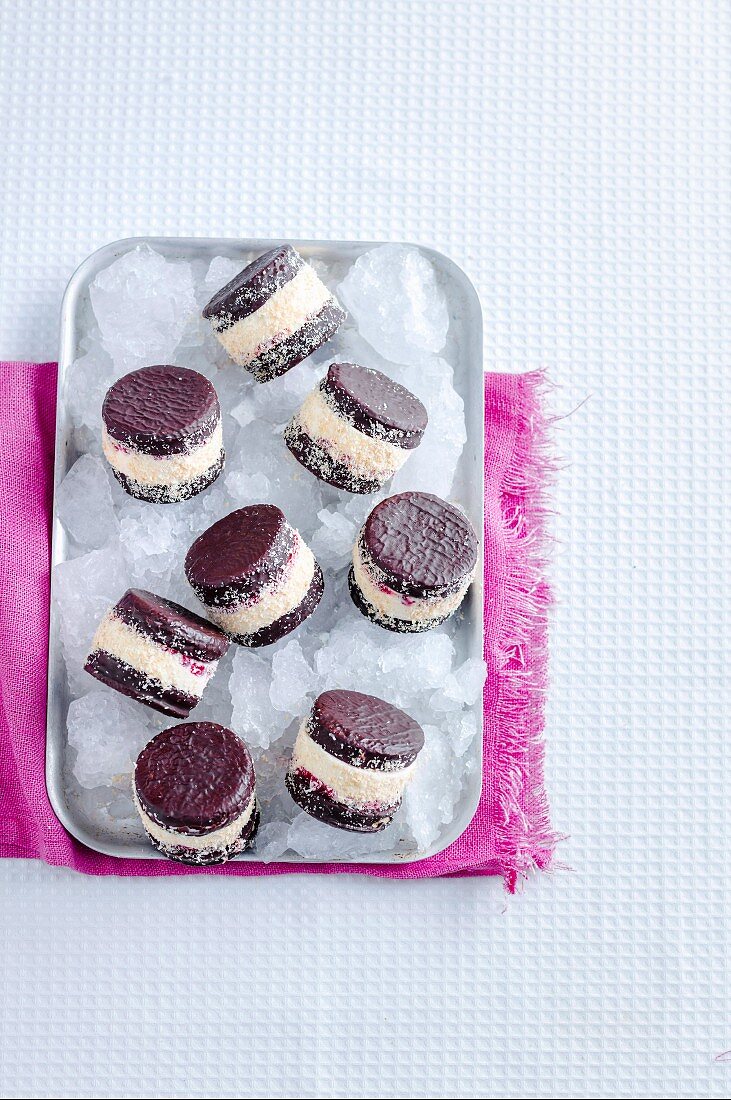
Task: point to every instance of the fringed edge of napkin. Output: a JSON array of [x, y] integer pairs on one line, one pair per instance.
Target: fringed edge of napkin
[[525, 839]]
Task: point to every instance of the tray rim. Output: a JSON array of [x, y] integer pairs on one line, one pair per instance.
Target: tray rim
[[55, 738]]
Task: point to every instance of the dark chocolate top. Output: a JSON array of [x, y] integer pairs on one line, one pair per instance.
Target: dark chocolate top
[[251, 288], [422, 544], [161, 410], [195, 777], [375, 404], [364, 731], [171, 625], [240, 554]]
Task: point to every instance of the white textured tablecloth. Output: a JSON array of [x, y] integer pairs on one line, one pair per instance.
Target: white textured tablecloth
[[574, 157]]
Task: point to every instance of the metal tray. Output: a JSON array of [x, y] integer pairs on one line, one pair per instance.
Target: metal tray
[[465, 346]]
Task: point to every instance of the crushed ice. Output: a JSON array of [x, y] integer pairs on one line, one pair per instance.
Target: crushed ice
[[146, 310], [393, 294]]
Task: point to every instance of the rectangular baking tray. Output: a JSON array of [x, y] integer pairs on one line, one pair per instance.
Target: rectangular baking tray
[[465, 350]]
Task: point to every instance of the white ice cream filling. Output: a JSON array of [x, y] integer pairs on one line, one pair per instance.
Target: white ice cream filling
[[172, 668], [369, 457], [218, 838], [409, 608], [350, 785], [277, 318], [274, 601], [163, 470]]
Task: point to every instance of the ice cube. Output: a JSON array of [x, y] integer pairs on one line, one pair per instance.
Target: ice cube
[[270, 766], [350, 656], [244, 411], [349, 346], [121, 808], [271, 841], [89, 377], [430, 798], [108, 732], [402, 669], [299, 495], [432, 465], [277, 401], [221, 270], [200, 356], [332, 542], [358, 508], [463, 730], [331, 271], [148, 536], [109, 810], [463, 687], [292, 680], [254, 717], [216, 705], [248, 487], [198, 348], [314, 840], [84, 588], [393, 294], [234, 385], [142, 304], [84, 504], [314, 631], [413, 663]]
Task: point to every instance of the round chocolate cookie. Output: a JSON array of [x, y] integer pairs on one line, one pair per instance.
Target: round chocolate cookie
[[375, 404], [352, 759], [274, 313], [413, 562], [161, 410], [422, 544], [356, 429], [255, 575], [156, 652], [364, 730], [171, 625], [253, 286], [194, 787], [240, 554], [162, 433]]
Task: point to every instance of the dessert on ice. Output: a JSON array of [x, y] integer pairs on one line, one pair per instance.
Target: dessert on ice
[[195, 791], [354, 431], [255, 575], [413, 562], [352, 759], [274, 313], [162, 433], [156, 652], [356, 428]]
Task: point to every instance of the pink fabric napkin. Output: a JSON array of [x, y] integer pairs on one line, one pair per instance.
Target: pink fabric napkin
[[510, 832]]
